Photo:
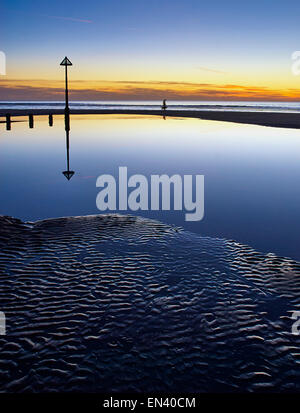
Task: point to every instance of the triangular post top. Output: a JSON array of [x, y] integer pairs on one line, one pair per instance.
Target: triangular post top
[[68, 174], [66, 62]]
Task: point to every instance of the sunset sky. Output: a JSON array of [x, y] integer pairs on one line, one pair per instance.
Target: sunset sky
[[138, 49]]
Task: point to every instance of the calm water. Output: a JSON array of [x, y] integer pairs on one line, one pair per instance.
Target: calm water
[[172, 105], [252, 173]]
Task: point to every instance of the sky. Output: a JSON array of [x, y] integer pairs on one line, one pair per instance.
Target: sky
[[154, 49]]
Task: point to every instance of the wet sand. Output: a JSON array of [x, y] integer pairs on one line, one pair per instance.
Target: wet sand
[[111, 303], [280, 120]]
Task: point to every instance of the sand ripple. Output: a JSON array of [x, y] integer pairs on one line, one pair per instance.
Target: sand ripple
[[119, 303]]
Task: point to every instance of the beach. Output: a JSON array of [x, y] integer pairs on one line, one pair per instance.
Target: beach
[[149, 220], [279, 120], [120, 303]]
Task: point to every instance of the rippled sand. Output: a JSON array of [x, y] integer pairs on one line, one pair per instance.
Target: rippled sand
[[119, 303]]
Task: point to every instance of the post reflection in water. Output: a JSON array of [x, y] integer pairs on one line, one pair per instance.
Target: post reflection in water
[[164, 108], [68, 174], [31, 121], [8, 122]]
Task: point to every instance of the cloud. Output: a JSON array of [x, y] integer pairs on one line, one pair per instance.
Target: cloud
[[207, 69], [73, 19], [135, 90]]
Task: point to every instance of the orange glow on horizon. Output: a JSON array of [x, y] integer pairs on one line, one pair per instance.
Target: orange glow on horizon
[[18, 89]]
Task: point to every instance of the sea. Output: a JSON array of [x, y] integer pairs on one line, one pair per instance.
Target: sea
[[281, 107]]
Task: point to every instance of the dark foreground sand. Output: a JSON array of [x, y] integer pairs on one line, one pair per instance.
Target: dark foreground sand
[[280, 120], [119, 303]]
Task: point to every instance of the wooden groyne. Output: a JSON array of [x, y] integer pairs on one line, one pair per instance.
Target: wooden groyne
[[281, 120]]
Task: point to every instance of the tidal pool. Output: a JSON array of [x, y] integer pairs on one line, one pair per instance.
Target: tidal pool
[[252, 173], [124, 303]]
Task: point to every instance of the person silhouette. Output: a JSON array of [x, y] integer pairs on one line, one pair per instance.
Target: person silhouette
[[164, 105]]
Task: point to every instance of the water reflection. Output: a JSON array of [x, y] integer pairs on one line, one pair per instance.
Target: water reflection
[[251, 173], [164, 108], [8, 122], [31, 122], [68, 174]]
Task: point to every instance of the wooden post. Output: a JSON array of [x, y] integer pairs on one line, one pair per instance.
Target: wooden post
[[66, 62], [50, 120], [66, 91], [8, 121], [30, 121]]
